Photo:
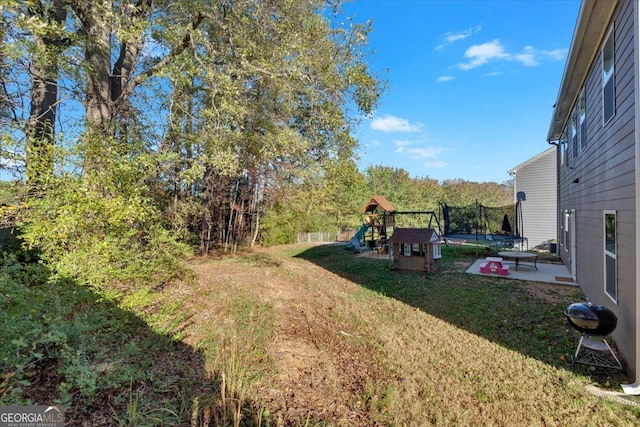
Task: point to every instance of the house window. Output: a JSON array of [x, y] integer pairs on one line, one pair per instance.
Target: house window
[[608, 80], [563, 148], [610, 255], [582, 124], [574, 133]]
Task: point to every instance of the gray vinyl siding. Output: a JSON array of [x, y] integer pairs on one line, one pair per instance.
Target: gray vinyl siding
[[537, 178], [605, 174]]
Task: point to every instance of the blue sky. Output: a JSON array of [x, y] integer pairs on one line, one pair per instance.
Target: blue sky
[[472, 83]]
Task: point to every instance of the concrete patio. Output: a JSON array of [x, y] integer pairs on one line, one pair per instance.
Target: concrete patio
[[546, 272]]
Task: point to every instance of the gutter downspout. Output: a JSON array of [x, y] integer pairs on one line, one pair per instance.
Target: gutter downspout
[[635, 387], [558, 212]]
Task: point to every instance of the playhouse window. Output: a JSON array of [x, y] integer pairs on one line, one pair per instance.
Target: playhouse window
[[437, 253], [407, 249], [415, 249]]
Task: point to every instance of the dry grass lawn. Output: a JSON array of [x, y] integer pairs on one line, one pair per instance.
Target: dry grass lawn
[[316, 336]]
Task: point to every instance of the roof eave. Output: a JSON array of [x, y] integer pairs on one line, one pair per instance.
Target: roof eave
[[538, 156], [593, 20]]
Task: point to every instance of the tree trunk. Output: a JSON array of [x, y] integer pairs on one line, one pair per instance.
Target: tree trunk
[[44, 95], [98, 102], [105, 97], [41, 123], [108, 90]]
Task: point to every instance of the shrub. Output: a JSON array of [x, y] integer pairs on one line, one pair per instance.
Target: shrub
[[97, 235]]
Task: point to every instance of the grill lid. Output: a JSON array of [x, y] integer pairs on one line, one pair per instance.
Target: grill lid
[[581, 315], [591, 319]]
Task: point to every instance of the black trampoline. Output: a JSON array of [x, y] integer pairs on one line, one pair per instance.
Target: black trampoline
[[493, 226]]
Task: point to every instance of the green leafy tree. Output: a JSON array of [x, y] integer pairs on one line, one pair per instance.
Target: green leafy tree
[[272, 109], [35, 29], [346, 192], [233, 99], [426, 193], [462, 193], [393, 183]]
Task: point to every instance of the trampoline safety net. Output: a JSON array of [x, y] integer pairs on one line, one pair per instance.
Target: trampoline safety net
[[479, 220]]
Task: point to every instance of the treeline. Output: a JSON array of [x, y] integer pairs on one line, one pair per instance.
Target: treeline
[[334, 201], [137, 131]]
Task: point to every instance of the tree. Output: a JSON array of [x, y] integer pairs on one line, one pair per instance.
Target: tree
[[273, 106], [231, 100], [393, 183], [42, 24], [346, 192], [463, 193], [49, 39], [426, 194]]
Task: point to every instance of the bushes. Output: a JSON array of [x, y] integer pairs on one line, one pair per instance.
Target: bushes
[[99, 237], [58, 336], [58, 339]]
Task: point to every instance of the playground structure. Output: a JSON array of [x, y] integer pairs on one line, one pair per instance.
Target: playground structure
[[412, 238], [380, 219], [377, 221]]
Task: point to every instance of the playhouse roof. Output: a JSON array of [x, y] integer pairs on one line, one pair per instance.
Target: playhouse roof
[[376, 201], [414, 235]]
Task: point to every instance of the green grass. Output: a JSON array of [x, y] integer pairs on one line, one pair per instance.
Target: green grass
[[73, 346], [393, 347], [508, 327]]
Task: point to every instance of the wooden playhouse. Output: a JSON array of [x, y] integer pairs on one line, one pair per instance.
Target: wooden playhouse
[[416, 249]]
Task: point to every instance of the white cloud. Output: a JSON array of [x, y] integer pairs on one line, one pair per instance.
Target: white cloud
[[556, 54], [424, 153], [445, 78], [436, 165], [531, 57], [481, 54], [414, 151], [395, 124], [451, 37], [527, 59], [401, 144]]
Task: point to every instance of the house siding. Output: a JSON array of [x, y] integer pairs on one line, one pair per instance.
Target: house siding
[[602, 177], [537, 178]]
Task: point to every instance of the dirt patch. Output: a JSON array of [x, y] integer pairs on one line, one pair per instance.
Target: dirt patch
[[458, 266], [551, 292]]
